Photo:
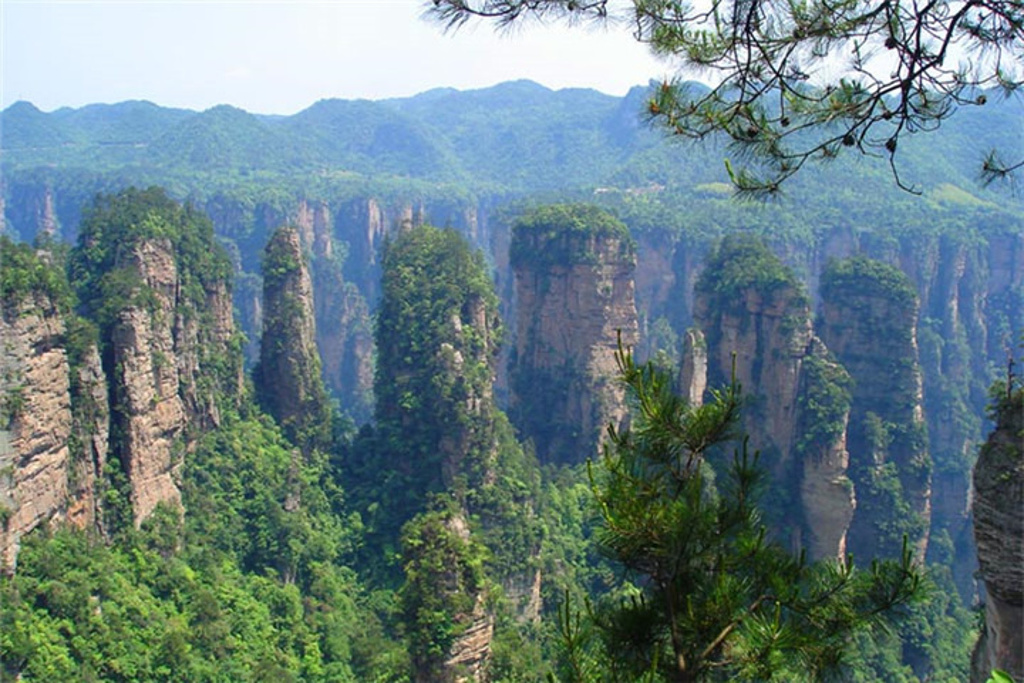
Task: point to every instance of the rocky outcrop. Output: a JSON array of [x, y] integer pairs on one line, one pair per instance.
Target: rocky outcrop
[[35, 419], [756, 319], [762, 334], [150, 414], [693, 367], [574, 293], [344, 335], [999, 534], [288, 379], [827, 497], [155, 284], [869, 316], [471, 649], [91, 439]]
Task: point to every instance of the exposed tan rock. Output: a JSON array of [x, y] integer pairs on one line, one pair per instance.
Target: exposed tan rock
[[524, 593], [769, 337], [693, 370], [827, 495], [92, 428], [756, 319], [869, 318], [469, 654], [35, 414], [288, 377], [569, 318], [146, 382]]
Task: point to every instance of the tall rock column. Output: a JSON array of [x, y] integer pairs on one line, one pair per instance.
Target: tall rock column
[[443, 454], [999, 534], [53, 403], [756, 318], [152, 278], [151, 414], [288, 380], [574, 268], [869, 313]]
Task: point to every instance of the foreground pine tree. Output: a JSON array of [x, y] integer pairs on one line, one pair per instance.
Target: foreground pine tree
[[710, 596]]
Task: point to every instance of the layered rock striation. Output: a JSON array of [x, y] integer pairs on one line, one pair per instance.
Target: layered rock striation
[[574, 294], [53, 403], [756, 325], [288, 377], [156, 285], [869, 316], [35, 418]]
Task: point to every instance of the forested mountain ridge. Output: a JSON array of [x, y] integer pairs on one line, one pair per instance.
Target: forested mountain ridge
[[513, 136]]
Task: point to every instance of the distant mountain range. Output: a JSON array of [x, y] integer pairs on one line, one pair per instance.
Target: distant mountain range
[[517, 136]]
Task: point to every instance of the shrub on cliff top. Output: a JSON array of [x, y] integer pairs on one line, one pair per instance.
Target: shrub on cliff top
[[868, 277], [741, 262], [562, 234]]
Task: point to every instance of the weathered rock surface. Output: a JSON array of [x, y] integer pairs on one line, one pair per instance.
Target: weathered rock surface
[[151, 414], [869, 316], [999, 533], [288, 378], [827, 497], [92, 428], [35, 417], [756, 321], [570, 314], [693, 368], [169, 355], [768, 336], [469, 654]]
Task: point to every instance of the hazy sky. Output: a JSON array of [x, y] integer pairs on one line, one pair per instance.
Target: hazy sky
[[280, 57]]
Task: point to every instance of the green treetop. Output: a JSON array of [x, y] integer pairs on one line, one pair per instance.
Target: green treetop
[[713, 597]]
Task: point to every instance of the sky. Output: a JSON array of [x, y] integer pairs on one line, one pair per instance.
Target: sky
[[279, 57]]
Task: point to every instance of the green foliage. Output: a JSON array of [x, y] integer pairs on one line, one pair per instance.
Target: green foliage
[[566, 234], [824, 403], [741, 263], [288, 378], [437, 333], [25, 273], [764, 100], [251, 586], [114, 225], [715, 599], [444, 579], [861, 276]]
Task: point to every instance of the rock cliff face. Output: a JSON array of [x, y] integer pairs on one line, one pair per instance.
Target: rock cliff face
[[35, 417], [574, 293], [469, 653], [869, 315], [344, 337], [154, 282], [756, 320], [827, 496], [288, 379], [146, 382], [160, 344], [91, 435], [999, 533]]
